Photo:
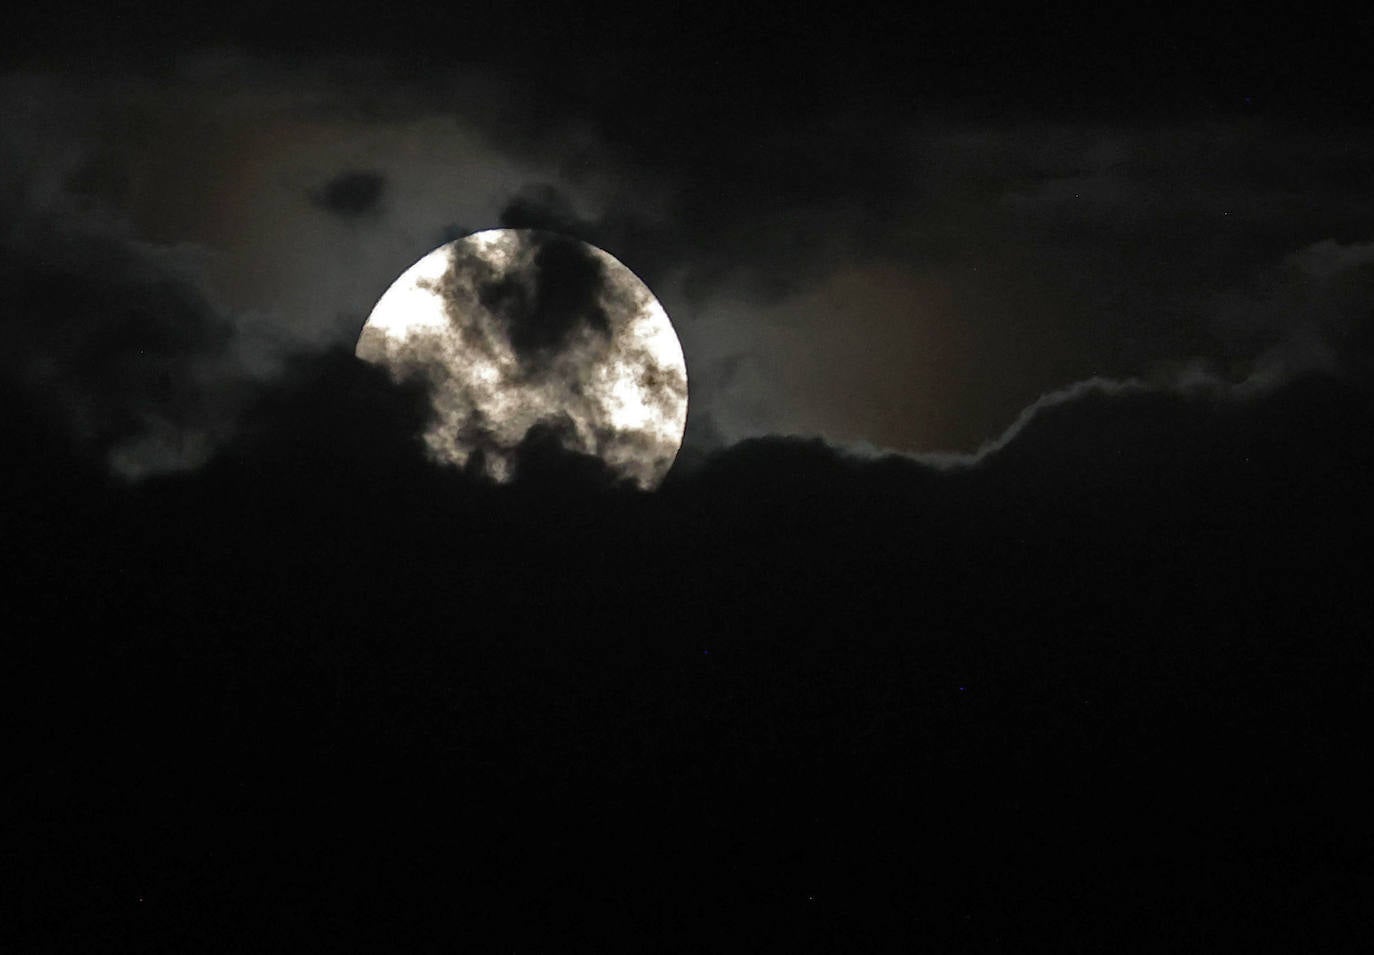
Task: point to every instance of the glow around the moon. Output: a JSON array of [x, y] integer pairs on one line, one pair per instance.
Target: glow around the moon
[[526, 337]]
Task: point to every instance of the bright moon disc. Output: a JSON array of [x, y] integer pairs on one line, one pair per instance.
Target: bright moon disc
[[526, 338]]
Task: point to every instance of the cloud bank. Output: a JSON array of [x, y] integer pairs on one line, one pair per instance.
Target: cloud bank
[[917, 283]]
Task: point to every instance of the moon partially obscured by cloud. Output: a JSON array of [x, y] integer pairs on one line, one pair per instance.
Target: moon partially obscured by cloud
[[525, 337]]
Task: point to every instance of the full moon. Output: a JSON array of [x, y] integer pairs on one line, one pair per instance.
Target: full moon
[[527, 339]]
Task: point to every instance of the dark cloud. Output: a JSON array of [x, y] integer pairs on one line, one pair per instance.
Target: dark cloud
[[959, 267], [115, 340], [555, 292], [544, 207], [546, 462], [1131, 642], [901, 273], [328, 411], [352, 194]]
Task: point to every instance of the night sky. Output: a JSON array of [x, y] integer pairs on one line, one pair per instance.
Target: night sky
[[1008, 588]]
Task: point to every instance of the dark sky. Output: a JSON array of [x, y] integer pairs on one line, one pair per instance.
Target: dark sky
[[1008, 586]]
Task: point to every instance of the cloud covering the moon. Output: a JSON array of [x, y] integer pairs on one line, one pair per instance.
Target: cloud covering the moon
[[528, 339]]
